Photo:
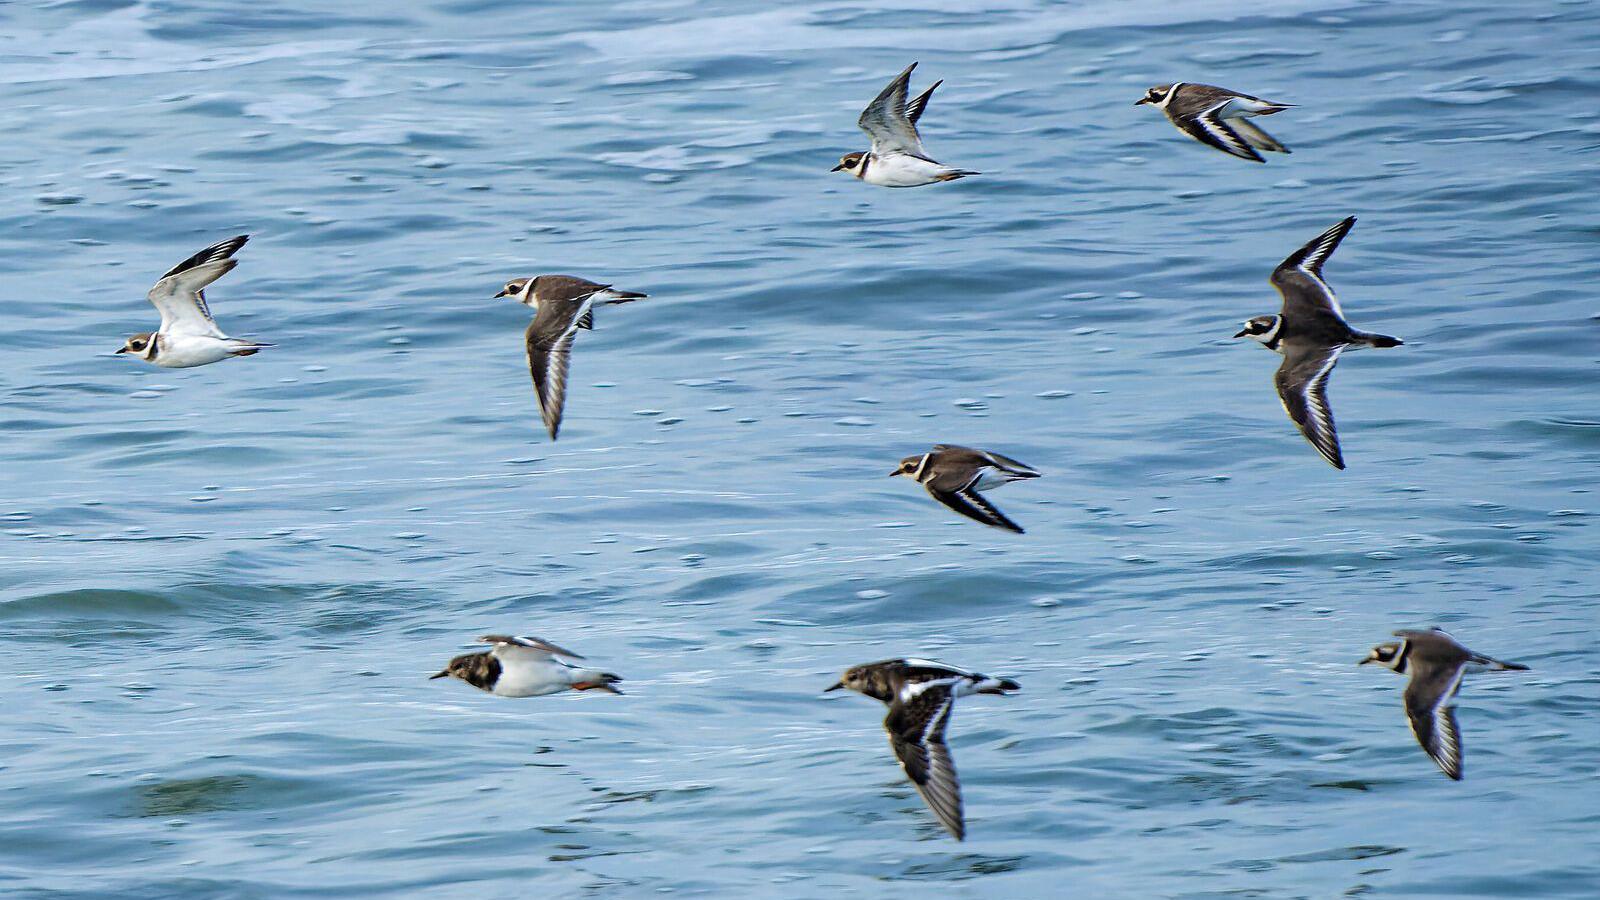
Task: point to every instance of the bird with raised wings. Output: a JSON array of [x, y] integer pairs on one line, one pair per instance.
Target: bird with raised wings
[[1310, 332], [897, 157], [188, 335]]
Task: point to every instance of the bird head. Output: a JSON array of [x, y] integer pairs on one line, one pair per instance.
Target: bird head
[[1386, 655], [515, 288], [139, 344], [850, 162], [908, 466], [1155, 95], [1261, 328]]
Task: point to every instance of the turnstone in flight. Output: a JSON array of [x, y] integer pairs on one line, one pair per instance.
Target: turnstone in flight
[[188, 335], [897, 157], [525, 667], [1217, 116], [954, 476], [1436, 662], [562, 304], [920, 696], [1310, 332]]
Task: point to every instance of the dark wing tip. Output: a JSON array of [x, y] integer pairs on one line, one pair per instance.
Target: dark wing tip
[[974, 506]]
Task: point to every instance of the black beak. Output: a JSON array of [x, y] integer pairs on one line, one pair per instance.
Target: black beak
[[444, 674], [1241, 334], [1141, 101], [837, 685], [1365, 661], [122, 349], [894, 473], [503, 293], [838, 168]]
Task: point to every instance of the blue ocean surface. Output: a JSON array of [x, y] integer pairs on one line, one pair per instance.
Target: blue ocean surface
[[223, 589]]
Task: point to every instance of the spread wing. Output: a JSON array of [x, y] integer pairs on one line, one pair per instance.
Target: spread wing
[[885, 120], [1433, 718], [1006, 463], [507, 645], [1299, 278], [1302, 383], [916, 732], [1258, 139], [549, 340], [972, 504], [919, 103], [179, 295], [1208, 127]]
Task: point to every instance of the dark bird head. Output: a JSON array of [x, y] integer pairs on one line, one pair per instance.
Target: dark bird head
[[480, 670], [1155, 95], [1388, 656], [850, 162], [853, 679], [138, 345], [1261, 328]]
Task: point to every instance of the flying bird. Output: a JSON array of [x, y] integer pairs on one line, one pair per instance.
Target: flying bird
[[1436, 663], [1310, 332], [525, 667], [188, 336], [955, 475], [897, 157], [1217, 117], [562, 304], [920, 696]]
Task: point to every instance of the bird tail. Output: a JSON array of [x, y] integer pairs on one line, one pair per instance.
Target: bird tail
[[596, 680], [1381, 340], [612, 295], [953, 174], [1495, 665], [1268, 109], [246, 348], [997, 686]]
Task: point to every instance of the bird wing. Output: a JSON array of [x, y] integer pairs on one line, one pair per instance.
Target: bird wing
[[972, 504], [1302, 383], [1008, 464], [885, 120], [526, 645], [916, 732], [1433, 717], [563, 289], [549, 341], [1207, 127], [1299, 277], [1255, 136], [179, 295], [919, 103]]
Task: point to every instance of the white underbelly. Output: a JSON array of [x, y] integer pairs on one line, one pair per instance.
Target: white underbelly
[[902, 171], [531, 681], [188, 351]]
